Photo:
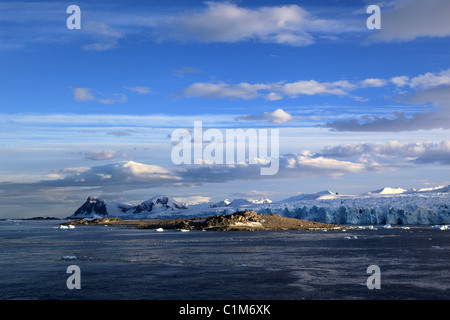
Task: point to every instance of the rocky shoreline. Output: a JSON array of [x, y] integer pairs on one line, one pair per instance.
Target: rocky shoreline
[[238, 221]]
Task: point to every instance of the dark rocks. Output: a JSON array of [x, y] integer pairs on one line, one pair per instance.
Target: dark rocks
[[238, 221], [95, 221]]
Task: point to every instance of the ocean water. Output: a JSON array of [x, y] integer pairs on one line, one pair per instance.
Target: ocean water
[[129, 264]]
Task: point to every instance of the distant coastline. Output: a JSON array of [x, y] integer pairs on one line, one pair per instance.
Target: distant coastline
[[33, 218]]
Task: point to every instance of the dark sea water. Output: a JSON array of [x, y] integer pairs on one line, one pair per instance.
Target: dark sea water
[[121, 263]]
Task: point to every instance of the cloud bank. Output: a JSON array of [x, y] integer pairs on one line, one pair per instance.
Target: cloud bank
[[332, 161], [412, 19], [432, 89]]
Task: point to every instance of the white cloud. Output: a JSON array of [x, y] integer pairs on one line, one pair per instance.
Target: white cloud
[[99, 154], [227, 22], [423, 81], [373, 82], [121, 173], [429, 80], [118, 98], [332, 161], [242, 90], [431, 88], [400, 81], [185, 70], [83, 94], [105, 37], [193, 200], [278, 116], [326, 166], [76, 170], [415, 152], [313, 87], [139, 90], [273, 96], [269, 91]]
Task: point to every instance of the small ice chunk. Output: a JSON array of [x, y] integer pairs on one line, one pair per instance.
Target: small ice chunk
[[387, 226], [440, 227], [69, 257], [365, 227], [160, 229]]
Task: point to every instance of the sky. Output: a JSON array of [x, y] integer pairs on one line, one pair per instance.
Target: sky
[[92, 111]]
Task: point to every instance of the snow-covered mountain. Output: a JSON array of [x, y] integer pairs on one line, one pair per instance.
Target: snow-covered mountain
[[262, 201], [388, 190], [220, 204], [239, 203], [385, 205], [95, 207], [326, 194], [158, 204], [92, 206]]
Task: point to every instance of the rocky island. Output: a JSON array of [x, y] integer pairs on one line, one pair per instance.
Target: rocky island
[[238, 221]]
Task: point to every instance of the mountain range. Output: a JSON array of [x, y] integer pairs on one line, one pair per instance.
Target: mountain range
[[385, 205], [95, 207]]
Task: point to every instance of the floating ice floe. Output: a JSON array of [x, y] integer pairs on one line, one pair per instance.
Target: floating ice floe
[[441, 227], [67, 227], [69, 257], [366, 227], [160, 229], [387, 226], [184, 230]]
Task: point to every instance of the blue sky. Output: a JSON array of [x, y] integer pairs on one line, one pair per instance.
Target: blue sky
[[90, 111]]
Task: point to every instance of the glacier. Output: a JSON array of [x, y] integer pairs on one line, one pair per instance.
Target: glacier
[[401, 209], [394, 206], [386, 206]]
